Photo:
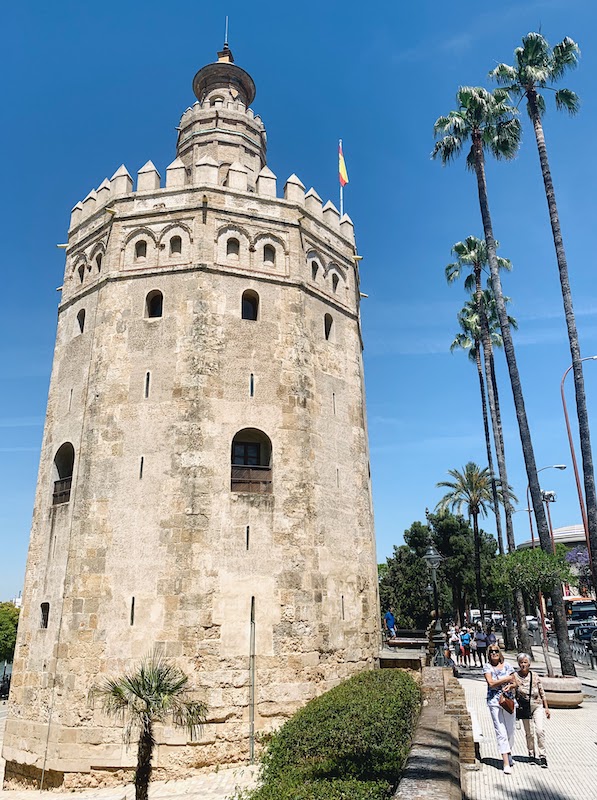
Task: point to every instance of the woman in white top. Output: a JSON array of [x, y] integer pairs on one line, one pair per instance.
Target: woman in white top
[[500, 679]]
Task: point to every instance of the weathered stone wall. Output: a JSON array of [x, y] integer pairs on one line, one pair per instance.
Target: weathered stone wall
[[172, 535]]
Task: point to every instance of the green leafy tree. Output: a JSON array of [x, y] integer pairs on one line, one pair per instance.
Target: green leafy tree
[[403, 587], [533, 570], [537, 66], [9, 620], [487, 120], [156, 692]]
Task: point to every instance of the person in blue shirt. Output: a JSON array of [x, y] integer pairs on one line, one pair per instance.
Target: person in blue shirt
[[390, 623], [465, 641]]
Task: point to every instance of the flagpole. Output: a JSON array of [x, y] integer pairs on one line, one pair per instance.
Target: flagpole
[[341, 187]]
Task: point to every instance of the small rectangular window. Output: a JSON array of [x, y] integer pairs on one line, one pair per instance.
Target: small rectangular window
[[337, 477], [141, 468], [45, 615], [247, 534], [334, 403], [132, 610], [343, 607], [70, 399], [147, 379], [246, 453], [251, 385]]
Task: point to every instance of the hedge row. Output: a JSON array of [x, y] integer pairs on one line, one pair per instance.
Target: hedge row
[[351, 743]]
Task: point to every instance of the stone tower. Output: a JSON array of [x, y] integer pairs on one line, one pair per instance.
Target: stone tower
[[204, 477]]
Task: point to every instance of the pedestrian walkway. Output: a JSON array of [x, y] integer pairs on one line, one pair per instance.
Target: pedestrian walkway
[[571, 747]]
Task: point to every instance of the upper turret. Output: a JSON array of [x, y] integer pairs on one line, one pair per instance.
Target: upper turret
[[220, 125]]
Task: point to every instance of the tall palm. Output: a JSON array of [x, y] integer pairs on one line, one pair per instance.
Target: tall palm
[[537, 65], [469, 339], [471, 489], [487, 120], [157, 691], [472, 260]]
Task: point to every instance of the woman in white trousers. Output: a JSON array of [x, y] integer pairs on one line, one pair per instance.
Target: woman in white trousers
[[500, 678]]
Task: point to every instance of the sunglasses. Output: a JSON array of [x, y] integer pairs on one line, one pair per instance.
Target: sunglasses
[[494, 652]]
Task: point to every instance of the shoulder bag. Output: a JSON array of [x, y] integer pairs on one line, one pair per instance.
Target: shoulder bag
[[524, 704]]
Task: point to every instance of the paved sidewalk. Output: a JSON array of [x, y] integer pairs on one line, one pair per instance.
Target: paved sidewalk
[[571, 747]]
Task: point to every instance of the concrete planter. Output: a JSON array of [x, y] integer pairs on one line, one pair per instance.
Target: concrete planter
[[562, 692]]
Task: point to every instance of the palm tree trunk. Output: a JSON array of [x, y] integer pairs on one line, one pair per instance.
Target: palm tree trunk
[[566, 661], [494, 493], [498, 437], [579, 384], [144, 753], [521, 620], [478, 564]]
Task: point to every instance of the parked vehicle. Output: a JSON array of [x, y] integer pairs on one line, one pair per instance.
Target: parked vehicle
[[583, 633], [532, 622]]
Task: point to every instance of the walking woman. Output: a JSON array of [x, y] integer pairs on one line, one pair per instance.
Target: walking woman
[[531, 698], [501, 680]]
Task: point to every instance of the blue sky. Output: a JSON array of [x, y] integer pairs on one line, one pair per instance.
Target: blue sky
[[89, 86]]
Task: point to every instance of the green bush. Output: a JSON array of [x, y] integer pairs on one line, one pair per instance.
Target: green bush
[[352, 742]]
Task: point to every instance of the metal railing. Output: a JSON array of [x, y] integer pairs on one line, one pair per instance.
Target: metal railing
[[581, 652], [255, 479], [61, 492]]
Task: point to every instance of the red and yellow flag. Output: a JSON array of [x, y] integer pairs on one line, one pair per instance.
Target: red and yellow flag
[[342, 173]]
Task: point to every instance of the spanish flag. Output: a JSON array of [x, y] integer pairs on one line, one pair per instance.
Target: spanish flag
[[342, 173]]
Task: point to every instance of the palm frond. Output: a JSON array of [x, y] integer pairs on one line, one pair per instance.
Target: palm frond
[[505, 143], [447, 149], [565, 55], [567, 100], [506, 76]]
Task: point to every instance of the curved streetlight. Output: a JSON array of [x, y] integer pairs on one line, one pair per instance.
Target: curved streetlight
[[530, 510], [581, 500]]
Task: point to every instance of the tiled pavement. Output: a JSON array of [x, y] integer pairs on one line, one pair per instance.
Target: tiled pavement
[[571, 748]]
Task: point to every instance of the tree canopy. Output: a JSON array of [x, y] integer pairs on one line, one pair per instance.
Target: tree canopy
[[9, 619]]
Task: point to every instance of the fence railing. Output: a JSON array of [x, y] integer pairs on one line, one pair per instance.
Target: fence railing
[[581, 653]]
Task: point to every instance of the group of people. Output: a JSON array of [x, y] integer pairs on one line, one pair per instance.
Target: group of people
[[469, 644], [513, 694]]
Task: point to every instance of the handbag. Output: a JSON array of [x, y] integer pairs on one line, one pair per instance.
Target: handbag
[[507, 703], [524, 704]]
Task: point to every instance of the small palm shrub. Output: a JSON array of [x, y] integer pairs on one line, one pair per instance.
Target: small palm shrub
[[351, 742]]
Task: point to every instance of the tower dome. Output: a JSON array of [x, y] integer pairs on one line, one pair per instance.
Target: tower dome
[[224, 76]]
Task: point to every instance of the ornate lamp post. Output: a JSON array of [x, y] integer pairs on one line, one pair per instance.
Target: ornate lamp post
[[433, 558]]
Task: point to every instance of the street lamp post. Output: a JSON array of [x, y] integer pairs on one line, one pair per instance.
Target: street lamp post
[[433, 558], [530, 510], [581, 500]]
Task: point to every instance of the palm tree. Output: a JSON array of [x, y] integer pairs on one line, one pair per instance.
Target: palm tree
[[472, 258], [537, 66], [469, 339], [156, 691], [470, 488], [487, 120]]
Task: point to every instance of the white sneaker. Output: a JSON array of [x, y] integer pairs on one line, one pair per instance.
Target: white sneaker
[[507, 770]]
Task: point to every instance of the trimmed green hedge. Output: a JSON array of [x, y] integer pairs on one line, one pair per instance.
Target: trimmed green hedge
[[350, 743]]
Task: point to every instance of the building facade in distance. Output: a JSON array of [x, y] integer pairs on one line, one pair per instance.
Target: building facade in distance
[[204, 483]]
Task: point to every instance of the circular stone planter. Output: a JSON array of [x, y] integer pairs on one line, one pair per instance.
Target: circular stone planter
[[562, 692]]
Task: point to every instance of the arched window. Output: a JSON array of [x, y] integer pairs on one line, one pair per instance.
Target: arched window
[[64, 461], [269, 255], [81, 272], [154, 304], [140, 249], [216, 102], [81, 320], [314, 270], [328, 326], [98, 261], [233, 247], [175, 246], [335, 280], [45, 615], [251, 462], [250, 305]]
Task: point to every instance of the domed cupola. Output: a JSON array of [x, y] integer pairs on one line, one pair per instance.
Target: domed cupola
[[223, 80]]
